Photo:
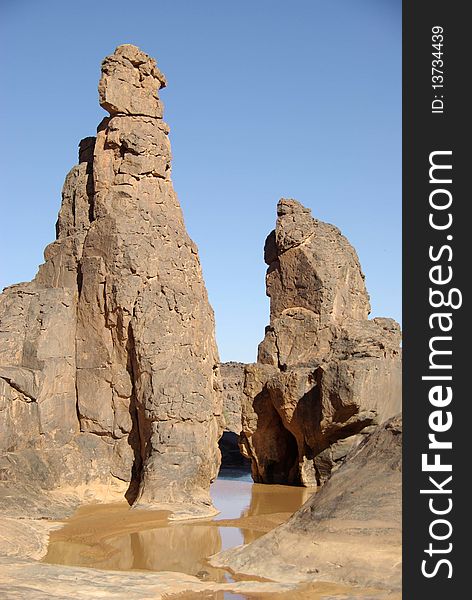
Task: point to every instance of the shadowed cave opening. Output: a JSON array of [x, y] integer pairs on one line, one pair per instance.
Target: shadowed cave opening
[[275, 444], [231, 457], [282, 467]]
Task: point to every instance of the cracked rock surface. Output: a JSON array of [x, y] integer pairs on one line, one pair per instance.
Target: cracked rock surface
[[326, 375], [108, 362]]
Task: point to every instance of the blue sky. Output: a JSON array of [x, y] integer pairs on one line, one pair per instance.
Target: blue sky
[[265, 99]]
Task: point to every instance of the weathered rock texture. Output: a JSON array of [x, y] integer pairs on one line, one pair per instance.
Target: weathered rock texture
[[109, 367], [349, 531], [325, 374], [232, 382]]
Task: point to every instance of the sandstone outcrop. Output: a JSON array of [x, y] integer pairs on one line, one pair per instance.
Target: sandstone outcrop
[[349, 531], [325, 374], [232, 381], [108, 361]]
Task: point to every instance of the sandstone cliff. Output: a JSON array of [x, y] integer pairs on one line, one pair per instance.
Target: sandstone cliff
[[109, 367], [325, 375]]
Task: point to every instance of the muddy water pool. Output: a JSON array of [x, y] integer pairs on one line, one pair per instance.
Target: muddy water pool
[[114, 537]]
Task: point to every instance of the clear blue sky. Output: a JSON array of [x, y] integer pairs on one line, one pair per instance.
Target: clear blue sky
[[265, 99]]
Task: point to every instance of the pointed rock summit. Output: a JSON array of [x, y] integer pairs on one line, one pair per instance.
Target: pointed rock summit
[[325, 374], [130, 83], [109, 367]]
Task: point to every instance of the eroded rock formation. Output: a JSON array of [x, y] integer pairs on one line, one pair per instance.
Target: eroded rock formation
[[109, 367], [325, 375], [349, 531], [232, 383]]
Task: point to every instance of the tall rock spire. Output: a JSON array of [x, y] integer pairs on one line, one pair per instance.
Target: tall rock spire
[[142, 363]]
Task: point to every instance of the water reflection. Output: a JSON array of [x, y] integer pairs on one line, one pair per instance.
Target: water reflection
[[117, 538], [177, 548], [270, 499], [231, 497], [180, 548]]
